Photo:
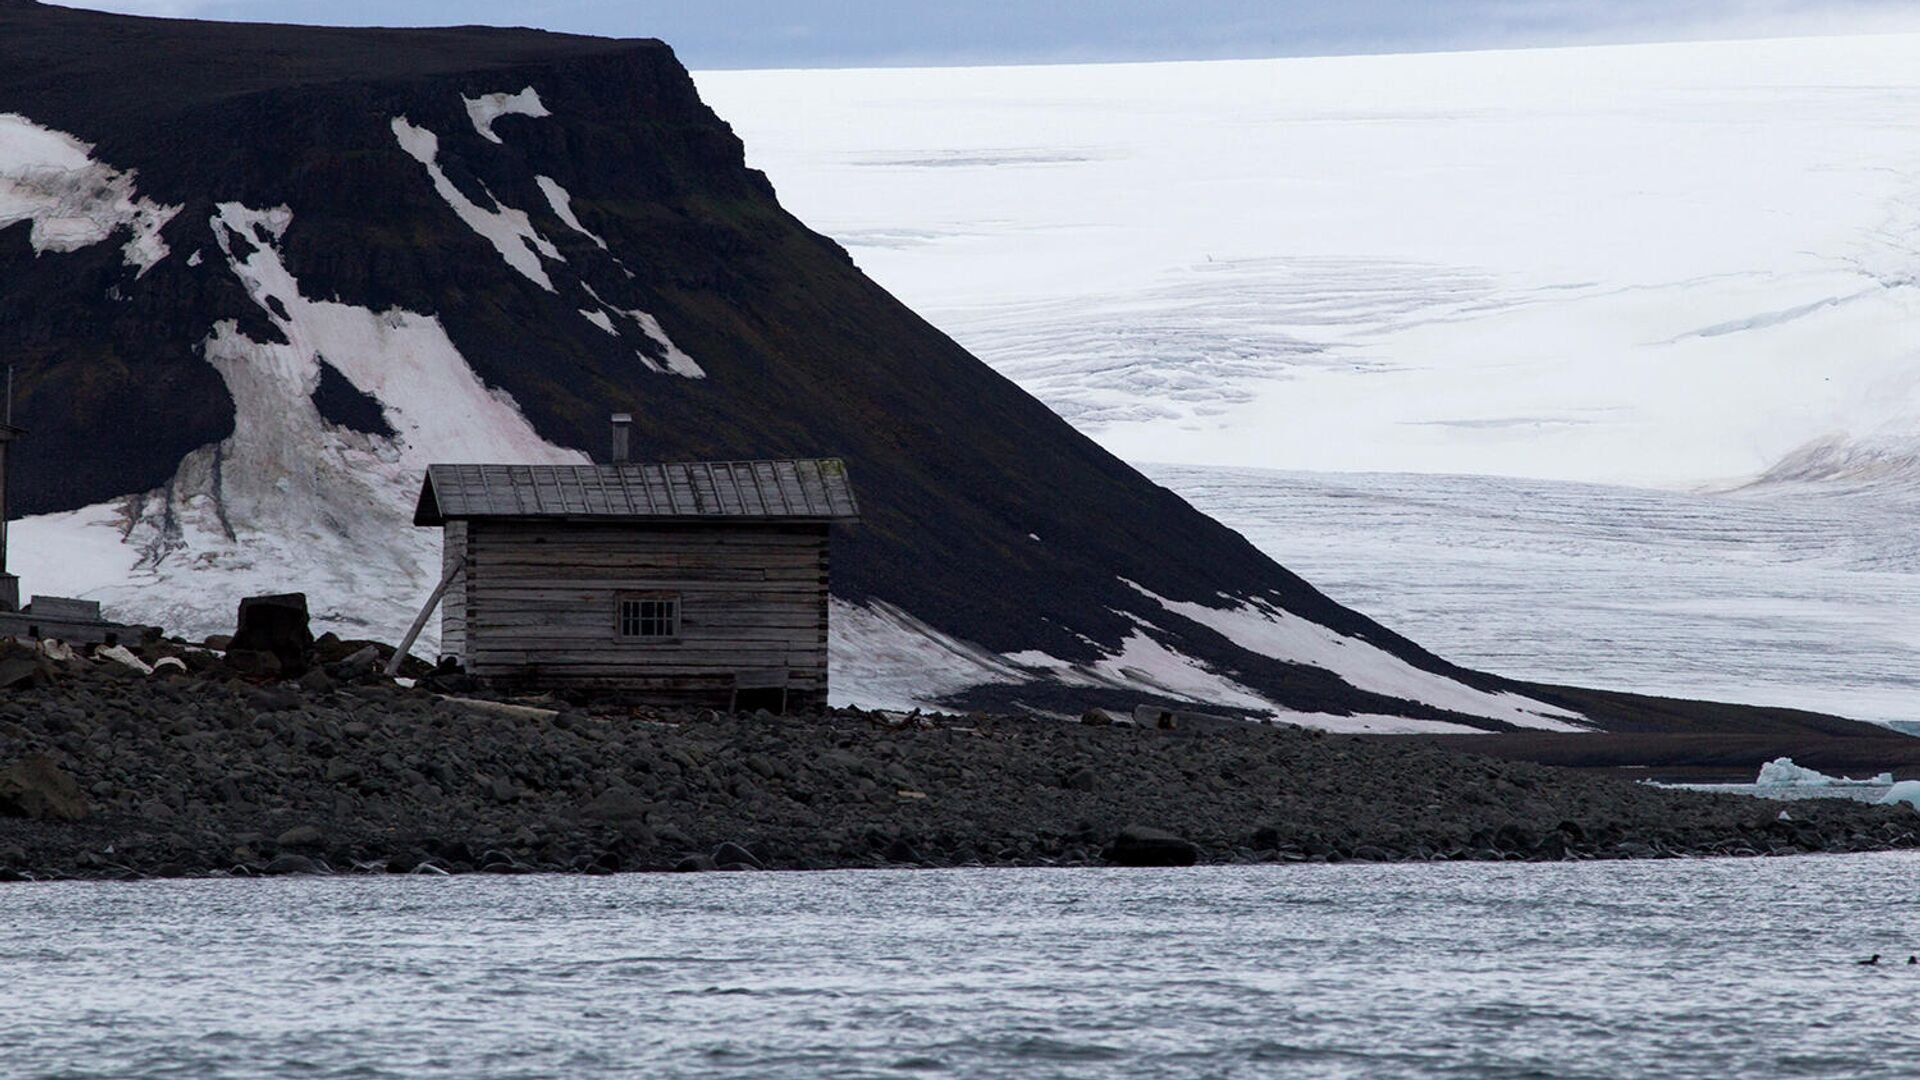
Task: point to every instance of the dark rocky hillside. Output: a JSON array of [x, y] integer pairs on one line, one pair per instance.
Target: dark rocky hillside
[[986, 516]]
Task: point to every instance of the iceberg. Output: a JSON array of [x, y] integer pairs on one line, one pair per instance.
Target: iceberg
[[1906, 791], [1782, 772]]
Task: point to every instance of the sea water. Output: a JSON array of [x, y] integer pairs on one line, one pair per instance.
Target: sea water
[[1697, 968]]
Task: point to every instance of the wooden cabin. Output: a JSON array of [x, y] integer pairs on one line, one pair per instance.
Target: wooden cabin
[[699, 583]]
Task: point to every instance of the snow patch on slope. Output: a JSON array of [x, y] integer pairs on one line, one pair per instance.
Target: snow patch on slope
[[1266, 630], [562, 202], [509, 230], [290, 501], [487, 108], [51, 179], [883, 658], [672, 360]]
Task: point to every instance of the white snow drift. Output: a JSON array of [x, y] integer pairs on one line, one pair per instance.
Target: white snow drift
[[290, 501], [507, 229], [487, 108], [50, 178], [1267, 630]]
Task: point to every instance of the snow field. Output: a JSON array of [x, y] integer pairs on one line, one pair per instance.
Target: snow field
[[1650, 264], [50, 178]]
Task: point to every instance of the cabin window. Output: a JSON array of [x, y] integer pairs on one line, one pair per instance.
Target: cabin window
[[649, 618]]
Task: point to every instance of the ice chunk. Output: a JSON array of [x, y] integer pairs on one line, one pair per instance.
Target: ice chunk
[[487, 108], [1906, 791], [1782, 772]]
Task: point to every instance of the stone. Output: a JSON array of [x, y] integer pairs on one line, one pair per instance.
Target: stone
[[615, 805], [294, 864], [248, 662], [276, 625], [342, 771], [1079, 780], [730, 853], [1141, 845], [120, 654], [363, 661], [301, 836], [693, 864], [316, 681], [38, 789], [1097, 717], [18, 673]]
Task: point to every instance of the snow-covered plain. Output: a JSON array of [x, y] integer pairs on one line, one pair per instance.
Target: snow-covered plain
[[1629, 280], [1642, 264]]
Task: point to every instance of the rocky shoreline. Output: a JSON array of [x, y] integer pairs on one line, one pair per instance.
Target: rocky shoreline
[[200, 769]]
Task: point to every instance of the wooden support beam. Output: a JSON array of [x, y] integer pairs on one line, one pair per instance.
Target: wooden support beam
[[420, 621]]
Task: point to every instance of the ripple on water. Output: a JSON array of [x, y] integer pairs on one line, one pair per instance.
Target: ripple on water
[[1678, 968]]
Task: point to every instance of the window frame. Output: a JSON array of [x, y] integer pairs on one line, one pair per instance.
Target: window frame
[[676, 613]]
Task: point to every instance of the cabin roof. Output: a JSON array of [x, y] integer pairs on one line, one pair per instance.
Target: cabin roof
[[807, 490]]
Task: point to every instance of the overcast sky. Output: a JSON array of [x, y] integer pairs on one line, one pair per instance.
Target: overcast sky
[[842, 33]]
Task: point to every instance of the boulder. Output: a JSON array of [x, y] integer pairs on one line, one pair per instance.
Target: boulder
[[1140, 845], [617, 805], [731, 854], [275, 625], [123, 656], [294, 864], [18, 673], [305, 836], [37, 788]]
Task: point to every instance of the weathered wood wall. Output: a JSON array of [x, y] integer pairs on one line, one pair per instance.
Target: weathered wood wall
[[453, 605], [541, 599]]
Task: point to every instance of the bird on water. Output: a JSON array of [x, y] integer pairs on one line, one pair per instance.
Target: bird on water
[[1869, 961]]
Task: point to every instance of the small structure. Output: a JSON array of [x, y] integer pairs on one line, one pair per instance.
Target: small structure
[[9, 583], [685, 583]]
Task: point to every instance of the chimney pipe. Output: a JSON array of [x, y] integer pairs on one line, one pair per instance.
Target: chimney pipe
[[622, 422]]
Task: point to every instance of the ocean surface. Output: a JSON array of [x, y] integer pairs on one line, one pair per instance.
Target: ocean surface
[[1704, 968]]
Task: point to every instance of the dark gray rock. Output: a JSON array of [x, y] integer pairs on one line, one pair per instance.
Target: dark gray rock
[[276, 626], [1141, 845], [37, 788], [294, 864], [732, 853], [301, 836]]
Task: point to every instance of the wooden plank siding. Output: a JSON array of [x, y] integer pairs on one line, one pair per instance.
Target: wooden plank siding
[[453, 605], [539, 604]]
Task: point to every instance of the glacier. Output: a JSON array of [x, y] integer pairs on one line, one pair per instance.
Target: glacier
[[1586, 365]]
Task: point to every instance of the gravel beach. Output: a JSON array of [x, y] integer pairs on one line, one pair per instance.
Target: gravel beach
[[194, 770]]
